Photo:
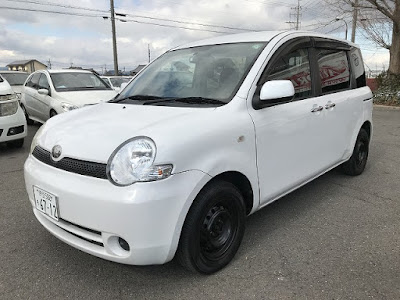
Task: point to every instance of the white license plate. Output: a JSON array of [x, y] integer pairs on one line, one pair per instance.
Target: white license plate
[[46, 202]]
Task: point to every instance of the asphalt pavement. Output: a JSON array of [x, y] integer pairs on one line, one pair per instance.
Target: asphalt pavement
[[337, 237]]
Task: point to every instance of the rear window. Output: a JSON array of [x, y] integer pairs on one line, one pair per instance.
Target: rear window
[[15, 78], [358, 67]]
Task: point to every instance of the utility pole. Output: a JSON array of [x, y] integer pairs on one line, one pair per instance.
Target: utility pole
[[354, 24], [295, 24], [49, 63], [148, 50], [114, 38], [297, 14]]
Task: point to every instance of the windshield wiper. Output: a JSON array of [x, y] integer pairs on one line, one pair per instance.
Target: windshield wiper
[[136, 97], [195, 100]]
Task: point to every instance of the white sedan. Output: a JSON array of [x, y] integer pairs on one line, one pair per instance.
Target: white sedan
[[12, 120], [47, 93]]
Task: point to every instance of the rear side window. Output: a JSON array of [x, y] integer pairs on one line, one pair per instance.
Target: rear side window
[[358, 67], [294, 66], [334, 70]]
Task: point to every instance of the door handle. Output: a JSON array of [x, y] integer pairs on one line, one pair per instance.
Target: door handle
[[330, 105], [316, 109]]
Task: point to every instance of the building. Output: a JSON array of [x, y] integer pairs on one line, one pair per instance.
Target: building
[[29, 65]]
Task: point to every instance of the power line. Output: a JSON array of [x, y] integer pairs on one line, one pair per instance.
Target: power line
[[191, 23], [96, 16], [50, 11], [171, 26], [137, 16], [59, 5]]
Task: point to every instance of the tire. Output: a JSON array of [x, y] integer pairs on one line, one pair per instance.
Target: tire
[[213, 229], [28, 120], [356, 164], [52, 113], [16, 144]]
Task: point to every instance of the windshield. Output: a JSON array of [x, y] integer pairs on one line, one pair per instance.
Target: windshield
[[74, 81], [15, 78], [211, 72]]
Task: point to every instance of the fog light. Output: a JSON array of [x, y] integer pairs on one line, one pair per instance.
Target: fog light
[[15, 130], [124, 244]]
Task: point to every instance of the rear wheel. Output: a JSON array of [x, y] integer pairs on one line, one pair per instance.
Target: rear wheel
[[213, 229], [28, 120], [356, 164], [53, 113]]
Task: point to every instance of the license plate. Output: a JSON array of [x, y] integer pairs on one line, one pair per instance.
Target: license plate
[[46, 202]]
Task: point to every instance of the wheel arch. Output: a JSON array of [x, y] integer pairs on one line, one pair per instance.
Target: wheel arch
[[241, 182], [368, 128]]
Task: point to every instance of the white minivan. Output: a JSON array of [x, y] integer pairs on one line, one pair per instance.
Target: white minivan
[[207, 134], [12, 120]]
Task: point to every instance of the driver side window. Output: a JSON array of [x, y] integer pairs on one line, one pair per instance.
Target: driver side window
[[43, 82], [294, 66]]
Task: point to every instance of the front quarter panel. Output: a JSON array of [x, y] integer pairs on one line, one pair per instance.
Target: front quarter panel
[[223, 142]]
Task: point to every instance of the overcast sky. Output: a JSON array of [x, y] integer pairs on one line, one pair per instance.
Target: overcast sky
[[85, 40]]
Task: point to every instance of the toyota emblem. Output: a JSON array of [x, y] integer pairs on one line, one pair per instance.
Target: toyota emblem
[[56, 152]]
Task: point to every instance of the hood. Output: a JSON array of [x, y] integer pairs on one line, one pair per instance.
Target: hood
[[92, 133], [81, 98]]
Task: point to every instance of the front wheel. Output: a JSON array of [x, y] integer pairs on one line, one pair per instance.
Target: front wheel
[[53, 113], [356, 164], [213, 229], [28, 120]]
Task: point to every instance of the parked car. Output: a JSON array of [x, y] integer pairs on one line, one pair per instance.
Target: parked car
[[16, 79], [115, 81], [173, 165], [47, 93], [12, 120]]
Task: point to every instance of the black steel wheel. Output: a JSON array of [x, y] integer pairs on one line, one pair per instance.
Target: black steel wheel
[[356, 164], [213, 229]]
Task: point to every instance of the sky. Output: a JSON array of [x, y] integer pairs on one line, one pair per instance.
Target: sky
[[77, 34]]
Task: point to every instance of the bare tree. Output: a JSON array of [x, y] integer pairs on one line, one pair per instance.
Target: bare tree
[[380, 20]]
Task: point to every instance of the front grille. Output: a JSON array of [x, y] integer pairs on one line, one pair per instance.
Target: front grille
[[86, 168]]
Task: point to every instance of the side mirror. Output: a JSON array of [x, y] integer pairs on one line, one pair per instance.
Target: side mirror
[[43, 92], [277, 91], [123, 85]]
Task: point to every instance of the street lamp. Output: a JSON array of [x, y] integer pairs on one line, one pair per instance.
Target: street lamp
[[341, 19]]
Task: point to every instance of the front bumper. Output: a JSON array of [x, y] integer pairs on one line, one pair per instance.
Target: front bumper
[[13, 121], [94, 213]]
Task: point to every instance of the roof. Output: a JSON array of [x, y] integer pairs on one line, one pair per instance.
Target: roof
[[23, 62], [52, 71], [260, 36]]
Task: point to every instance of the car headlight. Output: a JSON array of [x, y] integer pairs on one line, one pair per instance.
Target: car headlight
[[8, 108], [35, 138], [68, 106], [8, 97], [133, 162]]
